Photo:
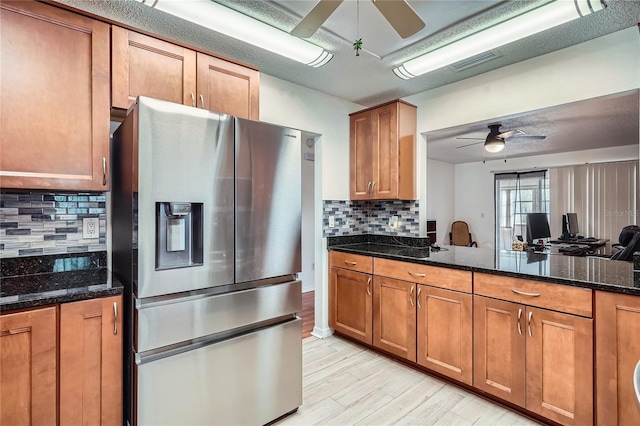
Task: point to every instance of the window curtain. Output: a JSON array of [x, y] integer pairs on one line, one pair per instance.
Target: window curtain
[[516, 194], [604, 196]]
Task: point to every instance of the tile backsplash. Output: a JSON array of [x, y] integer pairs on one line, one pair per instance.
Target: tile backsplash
[[37, 223], [370, 217]]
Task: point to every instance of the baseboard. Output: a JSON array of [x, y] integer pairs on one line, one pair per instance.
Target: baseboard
[[322, 333]]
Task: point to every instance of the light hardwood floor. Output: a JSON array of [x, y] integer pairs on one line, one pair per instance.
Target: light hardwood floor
[[307, 313], [347, 384]]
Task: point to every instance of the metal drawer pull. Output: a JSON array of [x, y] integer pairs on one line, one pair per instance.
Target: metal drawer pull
[[202, 100], [411, 296], [368, 284], [524, 293], [193, 99], [413, 274], [350, 263], [529, 323], [418, 298], [115, 318], [519, 316], [104, 171]]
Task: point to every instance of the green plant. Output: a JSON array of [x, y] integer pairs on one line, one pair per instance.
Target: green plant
[[357, 45]]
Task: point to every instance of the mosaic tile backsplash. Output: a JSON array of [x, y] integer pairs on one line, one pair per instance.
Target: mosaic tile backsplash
[[37, 223], [370, 217]]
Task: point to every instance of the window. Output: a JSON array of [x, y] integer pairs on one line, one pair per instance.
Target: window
[[516, 195]]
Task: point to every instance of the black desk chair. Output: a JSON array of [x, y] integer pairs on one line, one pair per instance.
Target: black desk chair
[[630, 241]]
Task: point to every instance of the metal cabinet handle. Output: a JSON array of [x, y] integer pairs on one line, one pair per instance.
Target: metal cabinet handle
[[529, 323], [373, 187], [115, 318], [369, 188], [418, 298], [411, 296], [368, 284], [413, 274], [519, 316], [104, 171], [193, 99], [202, 101], [350, 263], [524, 293]]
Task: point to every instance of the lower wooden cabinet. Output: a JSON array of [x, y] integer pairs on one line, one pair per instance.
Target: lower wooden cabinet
[[536, 358], [445, 332], [617, 351], [75, 379], [350, 303], [28, 367], [394, 316], [91, 362]]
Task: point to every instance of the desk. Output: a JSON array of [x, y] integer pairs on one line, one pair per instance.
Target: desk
[[593, 244]]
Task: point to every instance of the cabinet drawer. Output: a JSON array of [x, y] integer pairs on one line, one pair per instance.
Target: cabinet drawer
[[557, 297], [452, 279], [353, 262]]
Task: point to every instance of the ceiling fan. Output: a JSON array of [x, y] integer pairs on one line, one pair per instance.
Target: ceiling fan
[[398, 13], [495, 140]]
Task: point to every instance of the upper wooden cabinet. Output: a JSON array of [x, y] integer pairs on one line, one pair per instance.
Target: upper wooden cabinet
[[143, 65], [382, 152], [91, 362], [28, 372], [54, 99], [617, 318]]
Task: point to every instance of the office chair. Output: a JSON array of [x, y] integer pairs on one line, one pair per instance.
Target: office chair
[[460, 235], [629, 239]]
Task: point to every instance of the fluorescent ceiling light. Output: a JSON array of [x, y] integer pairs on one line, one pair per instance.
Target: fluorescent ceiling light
[[234, 24], [540, 19]]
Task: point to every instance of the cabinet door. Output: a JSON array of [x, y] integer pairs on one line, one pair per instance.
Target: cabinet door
[[394, 316], [143, 65], [617, 319], [560, 366], [54, 98], [350, 304], [228, 88], [361, 156], [445, 332], [91, 362], [28, 373], [499, 348], [384, 122]]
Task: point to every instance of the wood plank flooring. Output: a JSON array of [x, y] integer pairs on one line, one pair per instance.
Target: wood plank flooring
[[307, 313], [347, 384]]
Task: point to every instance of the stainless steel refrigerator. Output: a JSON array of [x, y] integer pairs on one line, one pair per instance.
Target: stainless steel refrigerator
[[206, 229]]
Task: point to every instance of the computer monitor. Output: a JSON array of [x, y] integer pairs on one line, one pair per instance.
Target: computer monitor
[[537, 227], [572, 224]]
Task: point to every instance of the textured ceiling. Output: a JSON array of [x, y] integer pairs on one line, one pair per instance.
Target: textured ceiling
[[368, 79], [601, 122]]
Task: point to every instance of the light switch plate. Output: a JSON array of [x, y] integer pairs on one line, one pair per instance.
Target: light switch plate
[[90, 228]]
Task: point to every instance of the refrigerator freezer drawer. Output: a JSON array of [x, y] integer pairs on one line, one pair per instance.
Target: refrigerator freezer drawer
[[183, 319], [248, 380]]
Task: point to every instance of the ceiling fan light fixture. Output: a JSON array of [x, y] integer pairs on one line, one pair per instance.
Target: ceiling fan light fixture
[[537, 20], [242, 27], [494, 145]]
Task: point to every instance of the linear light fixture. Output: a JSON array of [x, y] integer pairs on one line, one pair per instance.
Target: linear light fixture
[[537, 20], [234, 24]]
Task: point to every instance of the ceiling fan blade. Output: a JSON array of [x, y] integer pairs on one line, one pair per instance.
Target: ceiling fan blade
[[315, 18], [464, 146], [527, 137], [401, 16], [478, 139], [510, 134]]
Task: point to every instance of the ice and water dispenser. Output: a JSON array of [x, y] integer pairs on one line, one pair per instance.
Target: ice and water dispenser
[[179, 235]]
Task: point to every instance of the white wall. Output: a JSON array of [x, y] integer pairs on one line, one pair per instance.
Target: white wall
[[441, 197], [291, 105], [474, 190]]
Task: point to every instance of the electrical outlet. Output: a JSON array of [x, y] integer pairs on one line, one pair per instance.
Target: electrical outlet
[[332, 221], [90, 228], [393, 222]]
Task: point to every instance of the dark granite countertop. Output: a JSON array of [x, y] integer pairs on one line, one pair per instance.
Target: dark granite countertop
[[589, 272], [45, 280]]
